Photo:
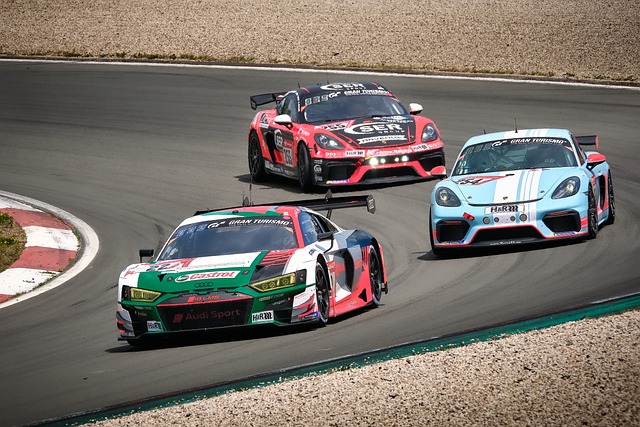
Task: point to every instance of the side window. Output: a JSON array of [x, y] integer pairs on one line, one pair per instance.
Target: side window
[[289, 106], [581, 154], [323, 224], [308, 227]]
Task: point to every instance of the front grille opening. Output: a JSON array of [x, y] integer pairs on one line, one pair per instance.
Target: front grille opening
[[447, 232], [569, 221], [339, 172], [430, 161], [389, 173], [186, 317], [507, 233]]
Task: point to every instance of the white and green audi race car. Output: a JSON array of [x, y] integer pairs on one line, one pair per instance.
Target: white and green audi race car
[[280, 264]]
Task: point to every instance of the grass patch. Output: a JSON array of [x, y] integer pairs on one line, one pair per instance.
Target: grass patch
[[12, 241]]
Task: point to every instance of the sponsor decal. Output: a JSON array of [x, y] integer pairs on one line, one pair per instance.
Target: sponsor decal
[[503, 209], [154, 326], [262, 317], [279, 140], [166, 265], [354, 153], [206, 315], [335, 127], [530, 140], [270, 297], [251, 221], [365, 92], [478, 180], [195, 299], [426, 147], [369, 128], [381, 138], [342, 86], [210, 275], [288, 157]]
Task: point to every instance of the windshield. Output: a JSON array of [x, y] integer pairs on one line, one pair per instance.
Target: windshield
[[230, 236], [515, 154], [337, 108]]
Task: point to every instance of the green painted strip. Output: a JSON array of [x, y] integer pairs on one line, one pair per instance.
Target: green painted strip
[[346, 363]]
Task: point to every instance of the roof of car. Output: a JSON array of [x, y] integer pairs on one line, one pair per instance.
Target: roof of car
[[520, 133], [355, 87]]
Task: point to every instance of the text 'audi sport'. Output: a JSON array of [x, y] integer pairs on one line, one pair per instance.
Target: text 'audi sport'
[[280, 264]]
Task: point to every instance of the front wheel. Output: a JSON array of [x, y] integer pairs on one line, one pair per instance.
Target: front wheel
[[305, 178], [322, 294], [592, 216], [375, 276], [612, 202]]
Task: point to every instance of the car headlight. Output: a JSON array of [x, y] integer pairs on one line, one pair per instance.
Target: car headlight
[[275, 283], [568, 187], [429, 133], [327, 142], [446, 197], [139, 295]]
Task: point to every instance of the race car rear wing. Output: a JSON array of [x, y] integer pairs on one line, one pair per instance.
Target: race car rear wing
[[327, 203], [265, 98], [589, 140]]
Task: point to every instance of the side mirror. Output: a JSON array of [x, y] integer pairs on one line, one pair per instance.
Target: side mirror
[[594, 159], [145, 253], [439, 172], [283, 120], [325, 236], [415, 108]]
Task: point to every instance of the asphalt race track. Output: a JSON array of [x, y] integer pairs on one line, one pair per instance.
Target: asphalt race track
[[132, 150]]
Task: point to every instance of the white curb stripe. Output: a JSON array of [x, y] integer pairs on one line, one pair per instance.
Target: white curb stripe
[[54, 238]]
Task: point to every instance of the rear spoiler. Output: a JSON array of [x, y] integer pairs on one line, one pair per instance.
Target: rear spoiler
[[327, 203], [590, 140], [265, 98]]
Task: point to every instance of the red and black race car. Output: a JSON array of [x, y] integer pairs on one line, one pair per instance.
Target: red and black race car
[[340, 134]]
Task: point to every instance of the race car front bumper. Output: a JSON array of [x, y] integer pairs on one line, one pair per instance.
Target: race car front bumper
[[377, 169], [519, 223]]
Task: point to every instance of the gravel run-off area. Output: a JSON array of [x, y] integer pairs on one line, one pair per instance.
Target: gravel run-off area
[[578, 373]]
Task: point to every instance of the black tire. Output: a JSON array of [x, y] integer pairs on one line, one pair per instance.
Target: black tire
[[612, 202], [305, 178], [256, 160], [592, 215], [322, 294], [375, 276]]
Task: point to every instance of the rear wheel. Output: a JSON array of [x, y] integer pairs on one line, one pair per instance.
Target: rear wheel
[[256, 161], [612, 204], [375, 276], [304, 168], [592, 215], [322, 294]]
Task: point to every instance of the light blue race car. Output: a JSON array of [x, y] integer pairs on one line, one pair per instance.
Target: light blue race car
[[519, 187]]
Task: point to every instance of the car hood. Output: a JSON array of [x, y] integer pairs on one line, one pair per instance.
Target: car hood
[[206, 273], [510, 186], [375, 132]]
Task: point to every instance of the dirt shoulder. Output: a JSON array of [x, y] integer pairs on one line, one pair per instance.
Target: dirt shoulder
[[578, 39]]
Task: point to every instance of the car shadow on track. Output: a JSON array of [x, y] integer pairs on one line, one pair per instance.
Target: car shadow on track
[[496, 250], [291, 185], [195, 338]]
